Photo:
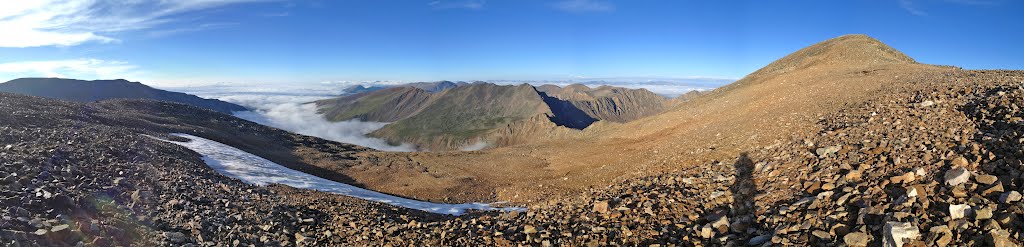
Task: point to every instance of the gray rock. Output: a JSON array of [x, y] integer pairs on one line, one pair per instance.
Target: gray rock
[[1009, 197], [857, 239], [957, 176], [899, 233], [175, 237], [10, 178], [19, 212], [825, 151], [759, 240], [957, 211]]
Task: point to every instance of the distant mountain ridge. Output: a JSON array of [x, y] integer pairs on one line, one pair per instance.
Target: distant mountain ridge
[[89, 91], [437, 86], [460, 114], [432, 87]]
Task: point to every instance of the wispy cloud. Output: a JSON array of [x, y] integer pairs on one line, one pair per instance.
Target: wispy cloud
[[579, 6], [69, 23], [909, 6], [976, 2], [457, 4], [913, 8], [72, 68], [277, 14], [189, 29]]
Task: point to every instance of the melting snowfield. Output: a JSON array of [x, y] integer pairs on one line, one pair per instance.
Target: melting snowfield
[[252, 169]]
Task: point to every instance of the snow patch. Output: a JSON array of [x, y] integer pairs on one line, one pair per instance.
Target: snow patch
[[253, 169]]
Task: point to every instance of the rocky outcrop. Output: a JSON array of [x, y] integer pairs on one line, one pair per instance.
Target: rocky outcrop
[[606, 103]]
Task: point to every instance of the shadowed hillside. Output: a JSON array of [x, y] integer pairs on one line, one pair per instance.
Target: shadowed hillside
[[88, 91], [608, 103]]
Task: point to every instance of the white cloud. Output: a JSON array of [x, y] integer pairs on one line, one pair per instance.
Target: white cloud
[[288, 108], [189, 29], [478, 145], [303, 119], [578, 6], [457, 4], [976, 2], [277, 14], [68, 23], [72, 68], [909, 6]]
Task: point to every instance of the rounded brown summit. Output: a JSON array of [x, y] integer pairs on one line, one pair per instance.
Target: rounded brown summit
[[851, 50]]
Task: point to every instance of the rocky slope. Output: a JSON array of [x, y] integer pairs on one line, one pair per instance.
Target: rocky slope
[[88, 91]]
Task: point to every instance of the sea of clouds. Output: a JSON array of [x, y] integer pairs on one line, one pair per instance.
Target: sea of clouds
[[290, 108]]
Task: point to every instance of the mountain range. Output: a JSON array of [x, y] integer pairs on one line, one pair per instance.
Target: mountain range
[[447, 116]]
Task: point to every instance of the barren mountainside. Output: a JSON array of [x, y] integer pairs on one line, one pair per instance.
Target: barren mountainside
[[88, 91], [847, 51]]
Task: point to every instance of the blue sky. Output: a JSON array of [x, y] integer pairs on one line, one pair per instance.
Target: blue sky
[[258, 41]]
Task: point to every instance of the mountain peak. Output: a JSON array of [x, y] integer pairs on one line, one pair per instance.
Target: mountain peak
[[847, 50]]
